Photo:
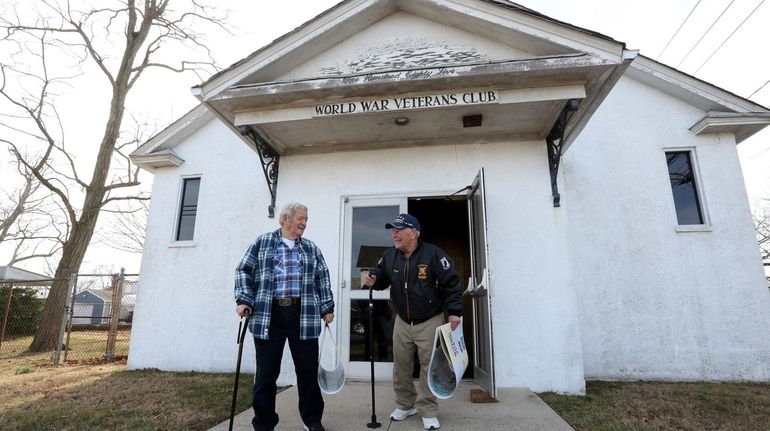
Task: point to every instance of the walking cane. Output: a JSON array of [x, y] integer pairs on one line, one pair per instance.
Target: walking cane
[[243, 328], [373, 423]]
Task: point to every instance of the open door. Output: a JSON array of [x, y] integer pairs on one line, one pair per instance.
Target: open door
[[478, 288]]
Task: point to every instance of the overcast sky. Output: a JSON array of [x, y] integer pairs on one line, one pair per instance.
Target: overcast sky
[[740, 66]]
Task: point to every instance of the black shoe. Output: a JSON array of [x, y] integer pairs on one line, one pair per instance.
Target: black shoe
[[314, 427]]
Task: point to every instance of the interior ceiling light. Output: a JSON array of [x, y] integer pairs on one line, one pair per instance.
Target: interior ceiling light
[[401, 121]]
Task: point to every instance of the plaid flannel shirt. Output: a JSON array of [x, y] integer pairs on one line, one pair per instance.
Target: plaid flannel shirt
[[254, 285]]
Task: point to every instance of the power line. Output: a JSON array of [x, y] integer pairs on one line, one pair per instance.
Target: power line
[[677, 30], [705, 33], [728, 37], [757, 90]]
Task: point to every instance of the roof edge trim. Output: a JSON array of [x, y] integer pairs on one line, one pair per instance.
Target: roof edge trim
[[696, 86], [175, 131]]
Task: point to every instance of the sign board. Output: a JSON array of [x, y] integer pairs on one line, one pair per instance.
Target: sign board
[[405, 103]]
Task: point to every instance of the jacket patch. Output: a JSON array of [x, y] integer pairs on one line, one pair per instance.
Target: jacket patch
[[422, 271], [445, 263]]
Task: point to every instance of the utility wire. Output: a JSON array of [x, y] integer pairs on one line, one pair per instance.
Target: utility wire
[[705, 33], [728, 37], [677, 30], [757, 90]]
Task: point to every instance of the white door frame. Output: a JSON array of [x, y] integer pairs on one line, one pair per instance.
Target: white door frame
[[359, 369]]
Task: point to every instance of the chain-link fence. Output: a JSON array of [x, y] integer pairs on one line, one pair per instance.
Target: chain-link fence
[[21, 310], [95, 324]]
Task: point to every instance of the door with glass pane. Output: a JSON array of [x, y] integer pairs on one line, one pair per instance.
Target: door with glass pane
[[364, 242], [483, 371]]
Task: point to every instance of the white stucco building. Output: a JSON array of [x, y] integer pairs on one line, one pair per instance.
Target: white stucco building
[[609, 236]]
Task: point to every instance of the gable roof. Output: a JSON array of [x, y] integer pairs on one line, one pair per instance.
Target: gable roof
[[726, 111], [344, 12], [158, 151], [493, 19], [8, 273], [363, 49], [273, 89]]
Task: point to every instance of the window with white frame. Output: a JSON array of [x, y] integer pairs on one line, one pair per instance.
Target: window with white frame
[[188, 209], [681, 173]]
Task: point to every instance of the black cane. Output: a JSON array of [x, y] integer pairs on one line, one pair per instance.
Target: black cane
[[373, 423], [243, 328]]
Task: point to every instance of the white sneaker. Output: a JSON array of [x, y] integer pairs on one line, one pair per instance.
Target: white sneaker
[[399, 415], [430, 423]]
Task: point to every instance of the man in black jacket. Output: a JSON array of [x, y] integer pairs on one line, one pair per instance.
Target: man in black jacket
[[423, 283]]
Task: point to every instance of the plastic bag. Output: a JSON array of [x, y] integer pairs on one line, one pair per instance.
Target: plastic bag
[[330, 380]]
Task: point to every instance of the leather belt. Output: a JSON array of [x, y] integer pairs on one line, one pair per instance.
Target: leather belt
[[417, 321], [286, 302]]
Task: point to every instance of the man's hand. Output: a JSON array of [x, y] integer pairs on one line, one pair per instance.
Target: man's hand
[[328, 318], [242, 309], [369, 281], [454, 321]]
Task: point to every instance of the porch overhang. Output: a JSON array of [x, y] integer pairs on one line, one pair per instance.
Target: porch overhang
[[743, 125], [159, 159], [514, 100]]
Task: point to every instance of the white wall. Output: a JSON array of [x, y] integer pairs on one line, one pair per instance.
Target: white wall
[[656, 303], [534, 318], [184, 316], [612, 292]]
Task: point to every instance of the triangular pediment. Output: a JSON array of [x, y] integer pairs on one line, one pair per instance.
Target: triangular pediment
[[297, 92], [364, 36], [403, 40]]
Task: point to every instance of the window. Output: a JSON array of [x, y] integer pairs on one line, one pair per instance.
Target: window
[[684, 187], [188, 210]]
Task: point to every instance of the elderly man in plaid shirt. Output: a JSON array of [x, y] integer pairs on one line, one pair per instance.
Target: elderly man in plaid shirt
[[284, 281]]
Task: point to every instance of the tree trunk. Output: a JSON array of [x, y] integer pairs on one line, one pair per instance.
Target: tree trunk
[[83, 229], [73, 252], [76, 245]]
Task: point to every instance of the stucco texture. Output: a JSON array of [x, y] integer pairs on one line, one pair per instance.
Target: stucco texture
[[657, 302]]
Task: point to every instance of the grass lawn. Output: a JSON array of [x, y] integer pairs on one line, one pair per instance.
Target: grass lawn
[[108, 397], [83, 346], [643, 406]]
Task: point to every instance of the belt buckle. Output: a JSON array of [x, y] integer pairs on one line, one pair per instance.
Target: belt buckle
[[284, 302]]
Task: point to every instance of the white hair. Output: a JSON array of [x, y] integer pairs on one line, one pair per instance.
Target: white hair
[[288, 211]]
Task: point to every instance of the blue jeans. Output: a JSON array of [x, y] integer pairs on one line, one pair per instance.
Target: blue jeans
[[284, 324]]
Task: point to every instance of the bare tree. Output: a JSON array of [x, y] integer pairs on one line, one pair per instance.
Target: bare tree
[[125, 232], [762, 226], [121, 40], [30, 226], [18, 201]]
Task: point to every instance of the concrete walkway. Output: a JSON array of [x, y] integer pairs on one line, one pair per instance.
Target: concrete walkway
[[351, 409]]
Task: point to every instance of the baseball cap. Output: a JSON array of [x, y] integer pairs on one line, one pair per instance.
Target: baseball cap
[[403, 221]]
